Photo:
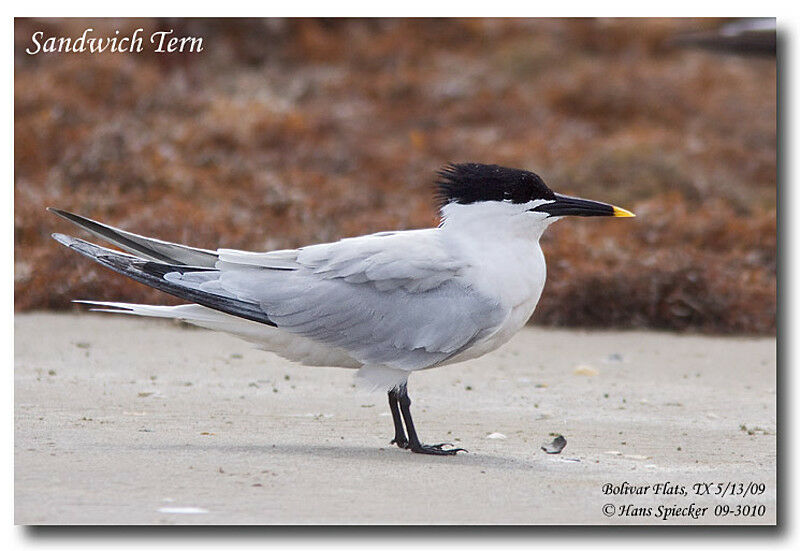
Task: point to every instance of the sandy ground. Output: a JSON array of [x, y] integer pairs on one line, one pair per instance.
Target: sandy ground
[[122, 420]]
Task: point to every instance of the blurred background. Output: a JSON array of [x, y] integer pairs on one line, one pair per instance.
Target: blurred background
[[283, 133]]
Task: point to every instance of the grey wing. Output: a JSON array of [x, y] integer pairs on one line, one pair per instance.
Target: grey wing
[[387, 299], [397, 328]]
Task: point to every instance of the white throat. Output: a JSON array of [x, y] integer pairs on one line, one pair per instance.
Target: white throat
[[496, 220]]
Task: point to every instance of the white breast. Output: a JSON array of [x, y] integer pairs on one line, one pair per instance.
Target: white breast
[[513, 272]]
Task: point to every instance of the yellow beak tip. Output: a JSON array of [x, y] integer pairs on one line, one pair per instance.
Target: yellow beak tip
[[622, 213]]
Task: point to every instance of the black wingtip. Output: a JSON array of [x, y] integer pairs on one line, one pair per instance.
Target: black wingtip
[[65, 214]]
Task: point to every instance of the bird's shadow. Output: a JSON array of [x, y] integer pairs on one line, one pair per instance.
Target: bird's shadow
[[365, 453]]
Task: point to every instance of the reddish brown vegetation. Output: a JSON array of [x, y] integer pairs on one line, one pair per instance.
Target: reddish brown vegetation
[[283, 133]]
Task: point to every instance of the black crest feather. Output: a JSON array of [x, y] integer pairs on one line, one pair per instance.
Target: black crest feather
[[467, 183]]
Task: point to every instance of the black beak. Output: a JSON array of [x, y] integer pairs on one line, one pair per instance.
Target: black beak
[[565, 205]]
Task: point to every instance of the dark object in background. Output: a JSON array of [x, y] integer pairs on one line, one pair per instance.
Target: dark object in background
[[556, 446], [744, 37]]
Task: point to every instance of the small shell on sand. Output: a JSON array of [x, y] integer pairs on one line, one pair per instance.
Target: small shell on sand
[[585, 370], [558, 444], [183, 510], [639, 457]]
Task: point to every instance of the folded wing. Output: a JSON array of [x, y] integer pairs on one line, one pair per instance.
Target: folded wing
[[388, 299]]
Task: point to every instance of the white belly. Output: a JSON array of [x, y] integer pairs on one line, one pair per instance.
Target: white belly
[[516, 320]]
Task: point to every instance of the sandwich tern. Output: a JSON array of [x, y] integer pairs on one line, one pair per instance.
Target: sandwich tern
[[387, 304]]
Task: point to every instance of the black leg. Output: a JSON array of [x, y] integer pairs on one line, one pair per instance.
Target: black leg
[[413, 440], [399, 434]]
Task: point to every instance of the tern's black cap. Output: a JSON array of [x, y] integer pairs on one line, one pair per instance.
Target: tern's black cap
[[467, 183]]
